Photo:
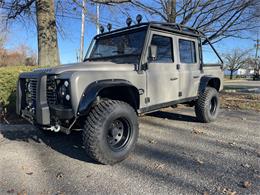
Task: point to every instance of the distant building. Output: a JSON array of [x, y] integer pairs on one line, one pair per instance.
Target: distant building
[[241, 72]]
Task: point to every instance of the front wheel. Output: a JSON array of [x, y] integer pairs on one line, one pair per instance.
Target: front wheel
[[110, 132], [207, 105]]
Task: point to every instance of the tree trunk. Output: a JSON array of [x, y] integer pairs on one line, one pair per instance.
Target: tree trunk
[[48, 54], [171, 11], [231, 74]]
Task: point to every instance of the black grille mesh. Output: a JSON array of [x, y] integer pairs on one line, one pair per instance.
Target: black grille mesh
[[51, 91]]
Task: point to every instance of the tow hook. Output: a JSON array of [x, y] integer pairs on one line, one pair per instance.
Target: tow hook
[[55, 128]]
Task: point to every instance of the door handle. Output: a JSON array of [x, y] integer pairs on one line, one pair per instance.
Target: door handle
[[195, 77], [173, 79]]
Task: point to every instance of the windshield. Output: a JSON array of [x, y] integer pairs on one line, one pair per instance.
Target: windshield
[[121, 48]]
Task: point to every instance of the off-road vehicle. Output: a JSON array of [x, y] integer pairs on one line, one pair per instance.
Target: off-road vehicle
[[127, 72]]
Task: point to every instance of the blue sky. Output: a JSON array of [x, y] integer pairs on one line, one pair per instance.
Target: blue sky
[[70, 42]]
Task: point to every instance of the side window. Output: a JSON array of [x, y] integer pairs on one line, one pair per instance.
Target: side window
[[164, 48], [187, 51]]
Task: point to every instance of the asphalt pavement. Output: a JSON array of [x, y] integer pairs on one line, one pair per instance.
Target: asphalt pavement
[[246, 86], [175, 154]]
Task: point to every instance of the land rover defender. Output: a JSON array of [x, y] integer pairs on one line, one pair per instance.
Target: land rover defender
[[127, 72]]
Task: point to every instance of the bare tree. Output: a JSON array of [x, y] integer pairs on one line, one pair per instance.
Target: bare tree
[[48, 53], [2, 40], [46, 21], [46, 25], [254, 64], [235, 60], [218, 19]]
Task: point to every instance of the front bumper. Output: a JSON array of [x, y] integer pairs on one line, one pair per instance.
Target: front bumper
[[40, 113]]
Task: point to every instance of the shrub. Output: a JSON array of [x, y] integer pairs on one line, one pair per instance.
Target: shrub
[[8, 79]]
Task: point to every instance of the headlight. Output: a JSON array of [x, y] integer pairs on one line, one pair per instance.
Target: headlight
[[63, 92]]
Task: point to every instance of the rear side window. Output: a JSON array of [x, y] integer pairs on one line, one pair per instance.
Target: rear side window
[[187, 51], [164, 48]]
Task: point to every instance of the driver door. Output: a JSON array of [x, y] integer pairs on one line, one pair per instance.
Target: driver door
[[162, 75]]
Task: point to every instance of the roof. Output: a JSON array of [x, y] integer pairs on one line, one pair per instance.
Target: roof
[[177, 28], [171, 27]]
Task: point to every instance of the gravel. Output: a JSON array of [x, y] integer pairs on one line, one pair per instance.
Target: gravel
[[175, 154]]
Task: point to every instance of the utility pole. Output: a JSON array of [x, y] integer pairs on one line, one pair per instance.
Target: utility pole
[[83, 16], [98, 16], [257, 45]]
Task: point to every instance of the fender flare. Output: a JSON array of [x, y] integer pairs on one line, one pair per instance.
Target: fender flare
[[204, 82], [92, 90]]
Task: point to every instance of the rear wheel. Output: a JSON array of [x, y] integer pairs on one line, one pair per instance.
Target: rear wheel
[[207, 105], [110, 131]]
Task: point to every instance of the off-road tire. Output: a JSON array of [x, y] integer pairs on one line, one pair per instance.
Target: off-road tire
[[97, 135], [207, 105]]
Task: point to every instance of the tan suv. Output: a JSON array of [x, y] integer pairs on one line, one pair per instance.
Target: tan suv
[[126, 72]]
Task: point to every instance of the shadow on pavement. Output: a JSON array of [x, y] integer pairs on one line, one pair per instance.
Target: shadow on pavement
[[173, 116], [69, 145]]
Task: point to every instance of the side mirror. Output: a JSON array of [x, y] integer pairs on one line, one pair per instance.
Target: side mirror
[[153, 52]]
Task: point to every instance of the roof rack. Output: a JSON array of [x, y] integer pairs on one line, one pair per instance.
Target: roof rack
[[178, 27], [173, 27]]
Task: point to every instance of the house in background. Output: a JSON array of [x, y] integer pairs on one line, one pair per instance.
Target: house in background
[[242, 72]]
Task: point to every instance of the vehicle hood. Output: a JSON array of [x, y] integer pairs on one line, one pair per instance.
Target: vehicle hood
[[87, 66]]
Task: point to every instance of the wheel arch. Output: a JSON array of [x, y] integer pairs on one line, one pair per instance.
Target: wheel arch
[[209, 81], [117, 89]]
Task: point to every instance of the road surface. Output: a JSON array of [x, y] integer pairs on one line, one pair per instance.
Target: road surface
[[175, 155]]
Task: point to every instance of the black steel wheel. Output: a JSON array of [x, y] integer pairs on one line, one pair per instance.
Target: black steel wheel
[[119, 134], [110, 132]]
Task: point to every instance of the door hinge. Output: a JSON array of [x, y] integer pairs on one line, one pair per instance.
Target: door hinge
[[147, 100]]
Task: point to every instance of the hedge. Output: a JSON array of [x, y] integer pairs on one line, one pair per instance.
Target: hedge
[[8, 79]]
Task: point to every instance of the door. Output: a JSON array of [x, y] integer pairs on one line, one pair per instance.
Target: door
[[189, 67], [162, 75]]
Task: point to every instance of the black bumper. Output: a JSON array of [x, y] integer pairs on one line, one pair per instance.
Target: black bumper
[[41, 113]]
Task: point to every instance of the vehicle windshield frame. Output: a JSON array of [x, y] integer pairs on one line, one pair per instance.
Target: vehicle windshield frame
[[116, 34]]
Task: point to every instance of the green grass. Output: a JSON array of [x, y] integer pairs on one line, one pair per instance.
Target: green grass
[[8, 80]]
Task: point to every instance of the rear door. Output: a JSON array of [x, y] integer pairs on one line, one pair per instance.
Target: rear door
[[162, 75], [188, 66]]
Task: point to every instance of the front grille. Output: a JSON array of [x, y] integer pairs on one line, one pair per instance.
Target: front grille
[[51, 91], [30, 89]]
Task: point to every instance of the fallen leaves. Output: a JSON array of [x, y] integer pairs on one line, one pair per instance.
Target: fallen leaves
[[23, 192], [231, 143], [197, 131], [199, 161], [247, 184], [11, 191], [60, 193], [258, 154], [159, 166], [228, 191], [152, 141], [245, 165], [27, 170], [29, 173], [241, 101], [59, 175]]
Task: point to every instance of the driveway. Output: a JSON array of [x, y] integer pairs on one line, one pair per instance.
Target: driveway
[[247, 86], [175, 155]]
